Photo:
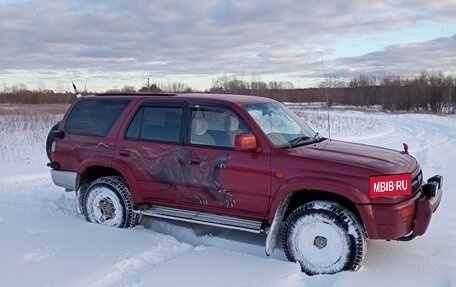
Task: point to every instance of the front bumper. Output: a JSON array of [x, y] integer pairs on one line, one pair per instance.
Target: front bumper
[[407, 219], [426, 206]]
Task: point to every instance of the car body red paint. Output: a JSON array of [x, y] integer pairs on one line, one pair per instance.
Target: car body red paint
[[249, 183]]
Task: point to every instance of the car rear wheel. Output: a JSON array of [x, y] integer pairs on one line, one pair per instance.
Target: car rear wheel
[[107, 201], [324, 237]]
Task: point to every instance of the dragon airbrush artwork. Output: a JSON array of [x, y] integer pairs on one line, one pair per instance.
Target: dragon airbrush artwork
[[193, 176]]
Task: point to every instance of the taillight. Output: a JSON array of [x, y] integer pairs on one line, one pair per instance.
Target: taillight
[[53, 151]]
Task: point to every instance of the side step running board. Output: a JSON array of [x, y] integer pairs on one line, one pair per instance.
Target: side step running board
[[204, 218]]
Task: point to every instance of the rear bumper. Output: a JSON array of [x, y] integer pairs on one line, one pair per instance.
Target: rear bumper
[[63, 178], [404, 220]]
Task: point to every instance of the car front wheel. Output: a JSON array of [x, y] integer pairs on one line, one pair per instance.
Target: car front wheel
[[324, 237]]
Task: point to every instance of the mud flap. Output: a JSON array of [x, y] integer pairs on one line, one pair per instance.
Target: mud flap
[[271, 239]]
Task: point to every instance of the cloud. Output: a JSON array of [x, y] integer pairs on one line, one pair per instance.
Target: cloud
[[166, 38], [435, 55]]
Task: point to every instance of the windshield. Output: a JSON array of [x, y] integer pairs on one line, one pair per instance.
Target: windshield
[[282, 126]]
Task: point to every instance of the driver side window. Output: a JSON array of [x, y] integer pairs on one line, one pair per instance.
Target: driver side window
[[215, 126]]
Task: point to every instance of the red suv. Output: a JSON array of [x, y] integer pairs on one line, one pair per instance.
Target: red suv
[[240, 162]]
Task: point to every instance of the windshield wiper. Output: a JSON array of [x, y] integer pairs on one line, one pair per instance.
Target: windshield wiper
[[318, 138], [295, 141]]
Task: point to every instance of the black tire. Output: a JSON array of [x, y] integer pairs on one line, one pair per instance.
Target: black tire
[[80, 197], [325, 238], [108, 202], [50, 139]]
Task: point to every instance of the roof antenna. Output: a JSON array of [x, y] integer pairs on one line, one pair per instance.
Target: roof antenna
[[326, 93], [78, 95]]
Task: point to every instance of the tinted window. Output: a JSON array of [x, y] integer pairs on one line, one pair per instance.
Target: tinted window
[[135, 126], [94, 117], [157, 124]]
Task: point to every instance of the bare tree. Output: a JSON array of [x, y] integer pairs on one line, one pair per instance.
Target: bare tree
[[230, 84], [436, 82], [128, 89]]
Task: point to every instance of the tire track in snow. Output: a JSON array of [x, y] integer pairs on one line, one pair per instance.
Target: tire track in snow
[[130, 271], [420, 133], [37, 255], [25, 177], [36, 193], [35, 231]]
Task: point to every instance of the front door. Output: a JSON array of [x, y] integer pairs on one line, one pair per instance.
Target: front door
[[215, 177]]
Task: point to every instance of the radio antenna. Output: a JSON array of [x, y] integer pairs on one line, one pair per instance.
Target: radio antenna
[[78, 94], [326, 93]]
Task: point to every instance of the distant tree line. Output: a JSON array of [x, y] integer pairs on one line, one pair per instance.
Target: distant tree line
[[434, 92], [230, 84], [426, 92], [158, 87], [20, 94]]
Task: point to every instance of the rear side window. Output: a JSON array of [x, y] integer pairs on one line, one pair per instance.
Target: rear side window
[[94, 117], [156, 124]]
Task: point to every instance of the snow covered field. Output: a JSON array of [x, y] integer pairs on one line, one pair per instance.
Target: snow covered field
[[43, 242]]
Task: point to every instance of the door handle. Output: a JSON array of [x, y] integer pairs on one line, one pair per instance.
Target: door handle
[[195, 161], [124, 153]]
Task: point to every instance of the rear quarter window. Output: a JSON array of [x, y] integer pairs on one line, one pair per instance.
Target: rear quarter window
[[94, 117]]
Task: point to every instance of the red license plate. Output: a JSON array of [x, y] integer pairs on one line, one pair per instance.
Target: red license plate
[[390, 185]]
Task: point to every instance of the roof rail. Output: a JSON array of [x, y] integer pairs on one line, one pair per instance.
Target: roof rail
[[136, 94]]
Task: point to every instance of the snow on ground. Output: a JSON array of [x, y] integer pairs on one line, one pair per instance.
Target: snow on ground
[[43, 242]]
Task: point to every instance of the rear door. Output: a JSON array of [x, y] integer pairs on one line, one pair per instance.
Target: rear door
[[151, 149]]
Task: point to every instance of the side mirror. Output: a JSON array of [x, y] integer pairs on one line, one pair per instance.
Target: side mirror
[[245, 142]]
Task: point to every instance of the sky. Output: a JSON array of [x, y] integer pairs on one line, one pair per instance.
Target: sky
[[108, 44]]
